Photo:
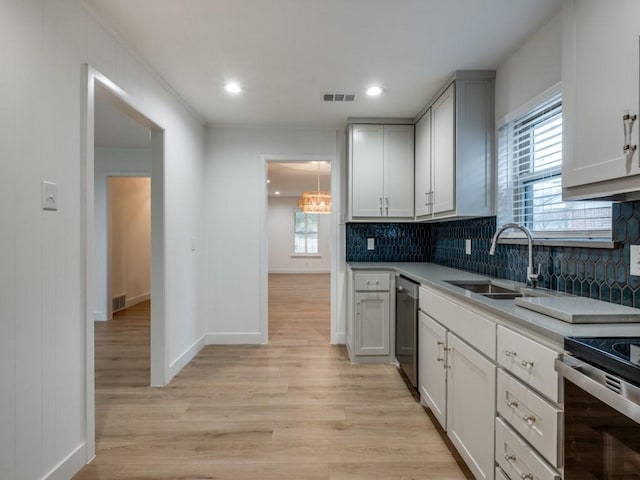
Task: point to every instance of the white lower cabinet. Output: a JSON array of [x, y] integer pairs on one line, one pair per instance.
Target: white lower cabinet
[[471, 405], [458, 384], [369, 317], [518, 459], [432, 371], [371, 323], [534, 418]]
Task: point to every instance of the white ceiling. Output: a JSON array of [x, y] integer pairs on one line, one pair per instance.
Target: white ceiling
[[285, 53], [292, 178]]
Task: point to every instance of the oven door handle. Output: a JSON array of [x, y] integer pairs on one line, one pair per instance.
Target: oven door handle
[[580, 374]]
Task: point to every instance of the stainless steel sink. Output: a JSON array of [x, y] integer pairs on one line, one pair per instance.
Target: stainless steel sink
[[489, 289], [482, 287]]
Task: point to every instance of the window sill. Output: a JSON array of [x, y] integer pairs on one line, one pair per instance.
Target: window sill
[[563, 242], [305, 255]]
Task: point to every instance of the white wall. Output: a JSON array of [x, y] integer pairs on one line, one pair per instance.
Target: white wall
[[110, 162], [234, 221], [130, 239], [44, 45], [532, 69], [280, 225]]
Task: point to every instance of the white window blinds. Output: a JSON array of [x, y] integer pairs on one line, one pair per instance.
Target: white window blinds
[[530, 179], [305, 238]]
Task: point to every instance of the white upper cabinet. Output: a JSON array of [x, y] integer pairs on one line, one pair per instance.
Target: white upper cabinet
[[600, 60], [423, 166], [381, 171], [443, 159], [367, 170], [454, 150]]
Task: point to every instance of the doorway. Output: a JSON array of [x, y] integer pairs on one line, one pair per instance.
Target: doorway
[[99, 87], [299, 257]]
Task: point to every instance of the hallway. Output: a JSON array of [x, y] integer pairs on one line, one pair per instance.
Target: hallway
[[293, 409]]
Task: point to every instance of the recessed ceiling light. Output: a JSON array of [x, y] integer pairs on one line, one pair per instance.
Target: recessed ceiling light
[[276, 193], [374, 91], [268, 181], [232, 87]]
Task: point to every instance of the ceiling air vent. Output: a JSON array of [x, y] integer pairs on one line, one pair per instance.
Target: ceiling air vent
[[338, 97]]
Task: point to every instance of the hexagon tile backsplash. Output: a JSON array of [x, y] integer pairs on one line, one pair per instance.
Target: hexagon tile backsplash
[[602, 274]]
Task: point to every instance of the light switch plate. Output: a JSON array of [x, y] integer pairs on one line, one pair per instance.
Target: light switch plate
[[371, 244], [467, 246], [634, 261], [49, 195]]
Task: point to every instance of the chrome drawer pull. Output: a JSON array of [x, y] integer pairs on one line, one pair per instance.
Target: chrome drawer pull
[[527, 363], [439, 359], [512, 403], [509, 354], [526, 476], [509, 458], [530, 419], [439, 343]]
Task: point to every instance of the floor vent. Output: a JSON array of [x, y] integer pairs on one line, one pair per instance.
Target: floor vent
[[118, 303], [338, 97]]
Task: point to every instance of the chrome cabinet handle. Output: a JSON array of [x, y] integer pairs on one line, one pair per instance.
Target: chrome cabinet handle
[[511, 403], [439, 359], [510, 354], [527, 363], [386, 202], [509, 458], [529, 419], [526, 476], [380, 206], [627, 121]]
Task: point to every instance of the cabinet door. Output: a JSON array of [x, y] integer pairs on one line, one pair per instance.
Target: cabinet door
[[432, 371], [371, 333], [443, 151], [471, 384], [423, 166], [367, 170], [398, 170], [600, 60]]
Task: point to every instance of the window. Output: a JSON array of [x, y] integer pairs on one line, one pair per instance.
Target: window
[[305, 239], [530, 178]]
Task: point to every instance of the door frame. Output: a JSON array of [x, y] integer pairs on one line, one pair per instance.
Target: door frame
[[159, 343], [333, 248]]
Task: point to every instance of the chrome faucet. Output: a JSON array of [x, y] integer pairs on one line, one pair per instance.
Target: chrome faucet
[[532, 276]]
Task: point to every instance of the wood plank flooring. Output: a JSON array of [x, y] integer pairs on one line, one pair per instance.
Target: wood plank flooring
[[295, 409]]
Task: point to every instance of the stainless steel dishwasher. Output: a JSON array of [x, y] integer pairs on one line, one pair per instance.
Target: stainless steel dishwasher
[[407, 328]]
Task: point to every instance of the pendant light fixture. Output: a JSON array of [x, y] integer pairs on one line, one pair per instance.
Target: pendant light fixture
[[315, 202]]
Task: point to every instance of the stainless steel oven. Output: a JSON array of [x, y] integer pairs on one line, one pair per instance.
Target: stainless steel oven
[[601, 410]]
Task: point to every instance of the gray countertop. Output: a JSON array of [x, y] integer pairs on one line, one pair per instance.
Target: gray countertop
[[508, 312]]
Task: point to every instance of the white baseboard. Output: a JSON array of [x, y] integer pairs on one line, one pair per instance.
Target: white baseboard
[[130, 302], [186, 356], [296, 271], [254, 338], [339, 339], [100, 316], [70, 465]]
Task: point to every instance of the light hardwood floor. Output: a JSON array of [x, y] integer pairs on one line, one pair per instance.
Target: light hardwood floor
[[295, 409]]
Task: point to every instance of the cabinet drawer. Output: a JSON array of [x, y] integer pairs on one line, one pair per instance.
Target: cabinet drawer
[[531, 416], [500, 474], [372, 281], [518, 459], [468, 325], [529, 361]]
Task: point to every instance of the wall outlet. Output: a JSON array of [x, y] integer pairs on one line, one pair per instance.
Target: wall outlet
[[371, 244], [634, 260], [467, 246]]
